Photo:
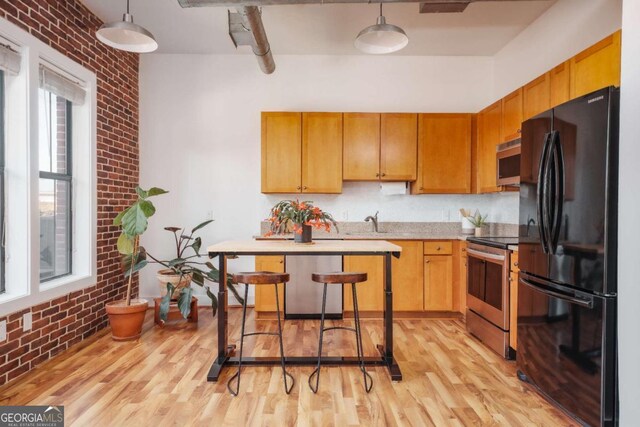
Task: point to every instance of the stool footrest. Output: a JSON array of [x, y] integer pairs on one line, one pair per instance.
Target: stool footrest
[[260, 333], [345, 328]]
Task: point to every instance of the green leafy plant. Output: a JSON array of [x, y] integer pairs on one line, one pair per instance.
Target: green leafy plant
[[188, 264], [133, 222], [477, 219], [291, 215]]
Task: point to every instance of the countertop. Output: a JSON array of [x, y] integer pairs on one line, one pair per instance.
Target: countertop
[[286, 246], [375, 236]]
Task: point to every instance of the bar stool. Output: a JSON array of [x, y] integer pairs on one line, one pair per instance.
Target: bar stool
[[260, 278], [341, 278]]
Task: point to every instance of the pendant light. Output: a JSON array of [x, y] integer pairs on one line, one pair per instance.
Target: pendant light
[[381, 38], [125, 35]]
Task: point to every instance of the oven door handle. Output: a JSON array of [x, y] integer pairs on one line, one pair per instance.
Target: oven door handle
[[587, 303], [485, 255]]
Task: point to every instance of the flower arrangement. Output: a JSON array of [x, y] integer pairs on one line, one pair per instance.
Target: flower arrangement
[[295, 216]]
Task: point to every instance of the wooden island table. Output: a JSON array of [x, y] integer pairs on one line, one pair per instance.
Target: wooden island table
[[224, 250]]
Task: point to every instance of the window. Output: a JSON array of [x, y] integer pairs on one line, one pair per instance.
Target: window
[[2, 224], [54, 152]]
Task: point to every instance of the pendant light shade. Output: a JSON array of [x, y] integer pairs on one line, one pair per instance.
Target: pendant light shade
[[381, 38], [125, 35]]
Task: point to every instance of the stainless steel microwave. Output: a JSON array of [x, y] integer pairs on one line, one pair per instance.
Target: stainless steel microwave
[[508, 163]]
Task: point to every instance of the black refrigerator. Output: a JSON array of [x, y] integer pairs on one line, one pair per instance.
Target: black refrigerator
[[567, 345]]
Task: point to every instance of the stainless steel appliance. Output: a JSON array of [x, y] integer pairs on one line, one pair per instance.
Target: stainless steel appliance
[[508, 163], [488, 292], [567, 256], [303, 297]]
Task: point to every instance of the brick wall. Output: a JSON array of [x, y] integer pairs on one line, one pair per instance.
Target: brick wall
[[69, 27]]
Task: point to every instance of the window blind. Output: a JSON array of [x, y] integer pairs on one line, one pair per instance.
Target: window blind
[[9, 60], [61, 86]]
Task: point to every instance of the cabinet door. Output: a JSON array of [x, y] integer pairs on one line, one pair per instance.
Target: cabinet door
[[321, 152], [361, 147], [559, 84], [512, 115], [463, 277], [398, 147], [370, 293], [444, 154], [596, 67], [281, 152], [266, 295], [535, 96], [438, 284], [489, 135], [407, 277], [513, 310]]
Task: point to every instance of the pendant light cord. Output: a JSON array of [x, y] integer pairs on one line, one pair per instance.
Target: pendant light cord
[[380, 8], [128, 6]]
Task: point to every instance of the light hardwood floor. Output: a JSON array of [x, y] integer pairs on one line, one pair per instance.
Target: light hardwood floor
[[449, 379]]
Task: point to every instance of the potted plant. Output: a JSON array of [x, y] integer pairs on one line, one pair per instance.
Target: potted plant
[[126, 317], [186, 268], [299, 217], [478, 222]]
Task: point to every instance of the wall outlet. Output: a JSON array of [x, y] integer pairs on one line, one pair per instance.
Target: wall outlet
[[3, 330], [211, 215], [27, 320]]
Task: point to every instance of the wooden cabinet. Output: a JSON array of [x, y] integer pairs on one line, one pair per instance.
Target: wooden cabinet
[[370, 293], [380, 147], [361, 160], [462, 268], [265, 295], [596, 67], [489, 135], [444, 154], [321, 152], [398, 146], [512, 115], [301, 152], [559, 84], [438, 285], [407, 277], [535, 96], [281, 152], [513, 302]]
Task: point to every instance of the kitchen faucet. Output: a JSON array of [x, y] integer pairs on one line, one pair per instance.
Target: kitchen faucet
[[374, 220]]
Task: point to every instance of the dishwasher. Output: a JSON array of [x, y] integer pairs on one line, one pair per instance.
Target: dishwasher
[[303, 296]]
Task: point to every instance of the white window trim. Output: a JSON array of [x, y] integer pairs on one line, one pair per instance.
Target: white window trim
[[23, 287]]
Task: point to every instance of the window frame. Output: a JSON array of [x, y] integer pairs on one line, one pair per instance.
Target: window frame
[[67, 177], [2, 179]]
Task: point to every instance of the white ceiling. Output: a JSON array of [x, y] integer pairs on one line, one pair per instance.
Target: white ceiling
[[482, 29]]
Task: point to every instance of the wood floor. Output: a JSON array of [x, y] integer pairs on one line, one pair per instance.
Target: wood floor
[[449, 379]]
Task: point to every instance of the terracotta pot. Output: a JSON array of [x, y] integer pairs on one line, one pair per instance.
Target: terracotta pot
[[168, 276], [126, 320], [305, 236]]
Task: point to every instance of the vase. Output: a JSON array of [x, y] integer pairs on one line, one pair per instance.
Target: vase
[[479, 232], [305, 236]]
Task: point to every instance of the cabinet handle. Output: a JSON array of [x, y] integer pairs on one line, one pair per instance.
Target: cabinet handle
[[519, 130], [377, 175], [515, 264], [281, 262], [427, 261], [384, 174], [438, 248], [304, 188], [510, 279], [464, 249], [298, 188], [421, 189]]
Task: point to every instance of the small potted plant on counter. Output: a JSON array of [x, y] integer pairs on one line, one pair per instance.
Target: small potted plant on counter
[[126, 317], [478, 222], [299, 217]]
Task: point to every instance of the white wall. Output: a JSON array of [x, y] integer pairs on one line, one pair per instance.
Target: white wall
[[566, 28], [629, 232], [200, 134]]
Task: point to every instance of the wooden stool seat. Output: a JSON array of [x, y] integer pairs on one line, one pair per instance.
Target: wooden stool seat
[[339, 277], [261, 278]]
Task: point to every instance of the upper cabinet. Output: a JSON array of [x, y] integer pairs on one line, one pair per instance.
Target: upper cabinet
[[398, 146], [321, 152], [281, 152], [361, 161], [535, 96], [596, 67], [489, 136], [380, 147], [512, 115], [301, 152], [559, 82], [444, 154]]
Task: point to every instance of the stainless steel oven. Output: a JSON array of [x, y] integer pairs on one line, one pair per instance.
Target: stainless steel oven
[[488, 296]]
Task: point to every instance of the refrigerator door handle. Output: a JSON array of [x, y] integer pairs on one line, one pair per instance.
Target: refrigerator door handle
[[558, 199], [541, 190], [587, 303]]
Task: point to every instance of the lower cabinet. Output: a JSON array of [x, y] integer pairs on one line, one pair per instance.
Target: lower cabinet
[[407, 277], [438, 283], [370, 293], [513, 302], [266, 295]]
